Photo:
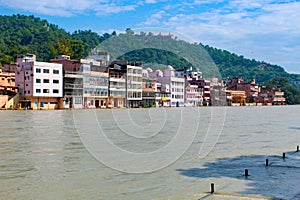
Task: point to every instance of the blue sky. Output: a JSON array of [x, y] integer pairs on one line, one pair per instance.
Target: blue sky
[[266, 30]]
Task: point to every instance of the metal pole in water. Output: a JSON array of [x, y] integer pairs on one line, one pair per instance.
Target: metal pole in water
[[212, 188], [283, 155], [246, 172], [267, 162]]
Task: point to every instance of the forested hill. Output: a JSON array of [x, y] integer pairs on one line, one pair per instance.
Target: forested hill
[[21, 34], [231, 64]]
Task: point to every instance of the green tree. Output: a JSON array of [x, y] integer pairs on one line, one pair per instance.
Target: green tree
[[291, 93]]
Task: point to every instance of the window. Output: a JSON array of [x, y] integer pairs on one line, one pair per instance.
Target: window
[[78, 100], [55, 71], [55, 81], [44, 104], [38, 80], [45, 90], [38, 70], [46, 81], [46, 71], [38, 90], [55, 91]]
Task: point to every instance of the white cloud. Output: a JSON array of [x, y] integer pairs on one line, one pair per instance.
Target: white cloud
[[113, 8], [155, 18], [68, 8], [150, 1], [263, 30]]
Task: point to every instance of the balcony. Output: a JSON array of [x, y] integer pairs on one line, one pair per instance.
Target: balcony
[[117, 80]]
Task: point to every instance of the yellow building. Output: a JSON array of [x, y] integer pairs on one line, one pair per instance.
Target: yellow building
[[7, 89], [236, 97]]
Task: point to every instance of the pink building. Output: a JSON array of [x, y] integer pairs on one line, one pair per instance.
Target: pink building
[[40, 83], [176, 85]]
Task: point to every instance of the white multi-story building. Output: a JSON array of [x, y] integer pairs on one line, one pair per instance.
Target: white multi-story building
[[125, 84], [134, 85], [194, 87], [40, 83], [95, 84], [193, 95], [176, 85]]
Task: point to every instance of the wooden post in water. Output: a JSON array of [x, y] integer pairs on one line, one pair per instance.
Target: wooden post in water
[[267, 162], [297, 148], [246, 172], [283, 155], [212, 188]]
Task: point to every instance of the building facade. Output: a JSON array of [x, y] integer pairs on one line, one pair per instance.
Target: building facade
[[125, 84], [40, 83], [72, 82], [134, 84], [95, 84], [176, 85], [250, 87]]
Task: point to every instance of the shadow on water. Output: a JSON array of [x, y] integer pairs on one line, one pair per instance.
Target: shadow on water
[[294, 128], [279, 180]]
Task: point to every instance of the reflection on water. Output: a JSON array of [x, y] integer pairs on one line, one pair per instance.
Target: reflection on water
[[42, 157]]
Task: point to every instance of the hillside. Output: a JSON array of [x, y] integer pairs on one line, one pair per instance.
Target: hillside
[[140, 47], [231, 65], [154, 49], [21, 34]]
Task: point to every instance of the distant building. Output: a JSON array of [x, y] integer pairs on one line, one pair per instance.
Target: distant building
[[278, 97], [235, 97], [269, 97], [40, 83], [85, 82], [95, 84], [194, 87], [72, 82], [134, 84], [250, 87], [8, 90], [217, 92], [102, 57], [11, 68], [176, 84], [163, 96], [125, 84], [7, 82], [149, 90]]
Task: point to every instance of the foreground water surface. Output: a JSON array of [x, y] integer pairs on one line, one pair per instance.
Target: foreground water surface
[[43, 155]]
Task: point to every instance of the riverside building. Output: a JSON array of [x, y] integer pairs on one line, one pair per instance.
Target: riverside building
[[40, 83]]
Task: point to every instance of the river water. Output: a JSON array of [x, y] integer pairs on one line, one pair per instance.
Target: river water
[[60, 154]]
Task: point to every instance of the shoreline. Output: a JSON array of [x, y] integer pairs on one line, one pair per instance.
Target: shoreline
[[124, 108]]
